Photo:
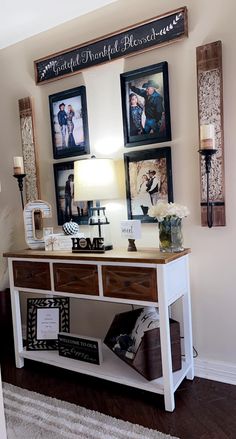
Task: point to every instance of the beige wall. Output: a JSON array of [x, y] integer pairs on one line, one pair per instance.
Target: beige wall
[[212, 260]]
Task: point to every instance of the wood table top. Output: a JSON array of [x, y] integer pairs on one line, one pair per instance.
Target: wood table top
[[142, 255]]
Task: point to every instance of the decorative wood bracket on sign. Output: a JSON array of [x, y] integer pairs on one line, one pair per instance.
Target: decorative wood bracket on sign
[[210, 111], [157, 31]]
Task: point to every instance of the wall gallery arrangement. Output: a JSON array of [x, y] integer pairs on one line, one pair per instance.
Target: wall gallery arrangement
[[145, 109]]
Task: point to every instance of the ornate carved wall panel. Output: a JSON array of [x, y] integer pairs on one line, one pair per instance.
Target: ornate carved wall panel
[[32, 186]]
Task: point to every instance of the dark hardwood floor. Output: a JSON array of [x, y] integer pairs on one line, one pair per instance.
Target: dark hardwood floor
[[204, 409]]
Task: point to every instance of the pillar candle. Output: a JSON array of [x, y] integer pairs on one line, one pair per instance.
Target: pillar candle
[[207, 136], [18, 166]]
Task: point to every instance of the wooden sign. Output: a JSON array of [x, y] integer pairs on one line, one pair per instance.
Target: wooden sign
[[80, 348], [210, 113], [86, 245], [158, 31]]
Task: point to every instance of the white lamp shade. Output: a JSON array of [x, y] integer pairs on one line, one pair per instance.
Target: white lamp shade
[[95, 179]]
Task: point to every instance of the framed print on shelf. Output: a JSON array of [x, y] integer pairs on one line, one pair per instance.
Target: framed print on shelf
[[67, 208], [45, 319], [145, 105], [148, 179], [69, 123]]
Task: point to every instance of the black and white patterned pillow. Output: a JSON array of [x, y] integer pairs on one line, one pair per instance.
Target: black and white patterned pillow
[[147, 320]]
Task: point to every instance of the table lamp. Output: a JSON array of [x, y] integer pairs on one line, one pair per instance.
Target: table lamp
[[95, 180]]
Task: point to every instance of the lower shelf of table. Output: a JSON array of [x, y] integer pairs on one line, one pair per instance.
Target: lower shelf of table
[[111, 369]]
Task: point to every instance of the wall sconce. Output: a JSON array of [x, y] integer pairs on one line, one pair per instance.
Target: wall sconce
[[95, 180], [207, 150], [18, 169], [211, 130]]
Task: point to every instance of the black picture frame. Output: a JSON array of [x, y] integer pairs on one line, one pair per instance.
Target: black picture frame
[[69, 124], [138, 165], [33, 341], [146, 110], [68, 209]]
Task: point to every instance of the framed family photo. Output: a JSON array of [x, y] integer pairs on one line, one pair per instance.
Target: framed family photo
[[69, 123], [145, 105], [67, 208], [148, 179]]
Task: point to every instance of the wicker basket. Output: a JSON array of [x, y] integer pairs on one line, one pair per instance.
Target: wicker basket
[[147, 360]]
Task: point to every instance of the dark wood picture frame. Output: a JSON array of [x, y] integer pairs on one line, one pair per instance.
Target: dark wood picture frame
[[33, 305], [67, 209], [69, 123], [140, 169], [145, 105]]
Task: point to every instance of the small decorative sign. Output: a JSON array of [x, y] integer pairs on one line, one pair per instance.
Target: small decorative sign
[[59, 241], [45, 319], [81, 348], [157, 31], [86, 245], [131, 229]]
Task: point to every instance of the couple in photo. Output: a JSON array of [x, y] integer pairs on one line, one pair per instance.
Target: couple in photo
[[153, 109], [148, 190], [65, 120]]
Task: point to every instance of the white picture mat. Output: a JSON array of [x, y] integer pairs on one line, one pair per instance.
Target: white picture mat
[[48, 322]]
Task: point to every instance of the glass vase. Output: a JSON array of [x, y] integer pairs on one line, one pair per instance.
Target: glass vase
[[170, 235]]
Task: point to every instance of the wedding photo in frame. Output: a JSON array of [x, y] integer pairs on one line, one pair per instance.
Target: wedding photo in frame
[[145, 105], [69, 123], [67, 208], [45, 319], [148, 180]]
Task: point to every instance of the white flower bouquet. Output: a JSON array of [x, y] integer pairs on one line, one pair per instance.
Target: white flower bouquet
[[162, 210]]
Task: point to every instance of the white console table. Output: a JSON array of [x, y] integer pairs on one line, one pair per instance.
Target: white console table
[[146, 277]]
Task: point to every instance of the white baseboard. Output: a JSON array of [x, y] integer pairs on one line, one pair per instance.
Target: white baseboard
[[215, 370]]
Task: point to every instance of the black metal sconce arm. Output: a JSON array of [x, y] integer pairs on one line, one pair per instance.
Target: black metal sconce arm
[[207, 154], [20, 178]]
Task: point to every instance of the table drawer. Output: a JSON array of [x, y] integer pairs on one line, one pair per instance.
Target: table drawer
[[136, 283], [75, 278], [34, 275]]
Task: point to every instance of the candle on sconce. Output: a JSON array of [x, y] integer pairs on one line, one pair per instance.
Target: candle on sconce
[[18, 165], [207, 136]]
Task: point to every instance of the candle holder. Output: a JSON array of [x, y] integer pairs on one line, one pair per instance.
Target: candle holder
[[20, 178], [207, 154]]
